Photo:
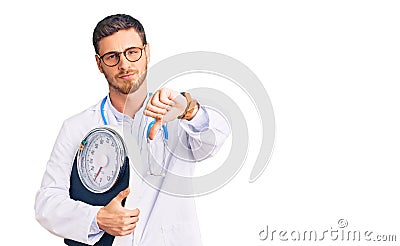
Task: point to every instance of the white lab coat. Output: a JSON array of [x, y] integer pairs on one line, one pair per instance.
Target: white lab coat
[[164, 219]]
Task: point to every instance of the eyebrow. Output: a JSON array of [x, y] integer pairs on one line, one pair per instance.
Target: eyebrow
[[114, 51]]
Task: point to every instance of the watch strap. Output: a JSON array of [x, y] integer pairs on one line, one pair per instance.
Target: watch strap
[[191, 104]]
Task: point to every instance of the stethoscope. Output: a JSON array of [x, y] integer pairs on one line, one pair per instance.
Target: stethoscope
[[151, 170]]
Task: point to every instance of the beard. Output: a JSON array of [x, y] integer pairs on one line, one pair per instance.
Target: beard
[[128, 86]]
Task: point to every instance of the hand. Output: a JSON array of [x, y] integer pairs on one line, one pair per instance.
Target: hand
[[165, 105], [115, 219]]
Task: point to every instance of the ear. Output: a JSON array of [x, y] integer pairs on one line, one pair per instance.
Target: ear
[[98, 61], [147, 51]]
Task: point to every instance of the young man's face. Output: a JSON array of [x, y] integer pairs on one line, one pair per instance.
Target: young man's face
[[125, 77]]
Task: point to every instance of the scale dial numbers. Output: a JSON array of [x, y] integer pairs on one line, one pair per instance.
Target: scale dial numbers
[[100, 159]]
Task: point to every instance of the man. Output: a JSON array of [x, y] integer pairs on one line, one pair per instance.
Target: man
[[150, 217]]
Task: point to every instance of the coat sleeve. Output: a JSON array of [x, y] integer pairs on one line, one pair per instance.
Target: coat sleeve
[[54, 209], [206, 132]]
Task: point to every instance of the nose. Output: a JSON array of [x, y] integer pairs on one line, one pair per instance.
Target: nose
[[123, 63]]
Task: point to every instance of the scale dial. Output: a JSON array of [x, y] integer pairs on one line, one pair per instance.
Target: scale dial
[[100, 159]]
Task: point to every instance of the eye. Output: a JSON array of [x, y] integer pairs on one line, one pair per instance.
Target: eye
[[133, 51], [110, 56]]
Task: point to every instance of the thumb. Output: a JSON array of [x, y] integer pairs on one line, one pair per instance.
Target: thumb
[[156, 126], [122, 195]]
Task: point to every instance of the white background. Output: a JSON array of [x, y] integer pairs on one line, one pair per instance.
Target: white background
[[331, 69]]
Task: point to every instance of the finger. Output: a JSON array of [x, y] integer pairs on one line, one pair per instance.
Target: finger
[[122, 195], [156, 110], [155, 101], [126, 230], [132, 220], [136, 212], [152, 114], [166, 97], [131, 213], [156, 126]]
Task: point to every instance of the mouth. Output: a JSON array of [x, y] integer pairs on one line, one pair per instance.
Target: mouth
[[126, 76]]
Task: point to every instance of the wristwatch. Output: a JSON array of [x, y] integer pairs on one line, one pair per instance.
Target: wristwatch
[[190, 108]]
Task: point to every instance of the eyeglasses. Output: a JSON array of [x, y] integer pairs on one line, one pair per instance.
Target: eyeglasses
[[112, 58]]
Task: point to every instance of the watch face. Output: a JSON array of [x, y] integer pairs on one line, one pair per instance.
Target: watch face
[[192, 106], [100, 159], [190, 109]]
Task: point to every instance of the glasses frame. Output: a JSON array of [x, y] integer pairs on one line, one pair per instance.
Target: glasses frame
[[119, 55]]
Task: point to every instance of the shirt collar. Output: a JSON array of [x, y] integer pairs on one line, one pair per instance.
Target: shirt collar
[[120, 116]]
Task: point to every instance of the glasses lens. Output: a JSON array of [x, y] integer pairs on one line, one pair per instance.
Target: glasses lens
[[133, 54], [111, 59]]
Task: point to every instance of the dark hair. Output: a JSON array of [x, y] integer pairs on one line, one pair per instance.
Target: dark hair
[[112, 24]]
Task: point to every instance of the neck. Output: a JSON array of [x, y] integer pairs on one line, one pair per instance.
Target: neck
[[131, 103]]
